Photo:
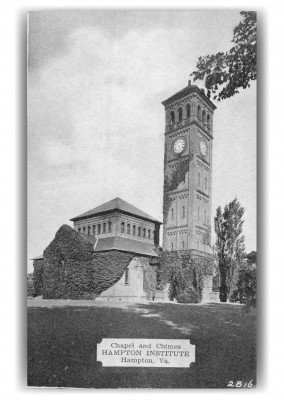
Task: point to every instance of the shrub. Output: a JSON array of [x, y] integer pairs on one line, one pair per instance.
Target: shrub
[[188, 296]]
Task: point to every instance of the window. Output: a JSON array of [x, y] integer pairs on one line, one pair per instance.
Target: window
[[126, 276], [84, 229], [122, 227], [172, 247], [206, 183], [139, 231], [128, 229], [197, 244], [208, 121], [89, 230], [198, 179], [188, 111], [109, 226], [79, 230], [172, 117], [144, 232], [183, 245], [183, 212], [94, 229], [149, 234], [172, 213], [180, 114], [204, 216], [99, 229], [199, 112], [104, 227], [203, 117], [134, 230]]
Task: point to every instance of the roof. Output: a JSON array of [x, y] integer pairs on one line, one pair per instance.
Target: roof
[[125, 244], [37, 258], [116, 204], [187, 90]]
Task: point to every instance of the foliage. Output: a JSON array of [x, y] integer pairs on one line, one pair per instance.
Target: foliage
[[229, 246], [188, 296], [30, 287], [149, 278], [38, 276], [71, 269], [245, 291], [183, 271], [226, 72]]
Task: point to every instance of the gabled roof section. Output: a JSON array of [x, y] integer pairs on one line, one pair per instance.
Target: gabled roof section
[[125, 244], [116, 204], [187, 90]]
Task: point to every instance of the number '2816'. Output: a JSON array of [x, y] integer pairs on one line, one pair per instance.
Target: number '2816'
[[240, 384]]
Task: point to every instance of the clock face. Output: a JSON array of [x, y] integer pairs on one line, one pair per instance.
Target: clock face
[[179, 146], [203, 148]]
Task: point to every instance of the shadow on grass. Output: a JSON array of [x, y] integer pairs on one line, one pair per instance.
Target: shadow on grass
[[62, 345]]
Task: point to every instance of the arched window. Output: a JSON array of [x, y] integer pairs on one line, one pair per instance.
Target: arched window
[[109, 226], [126, 276], [183, 245], [197, 244], [122, 227], [208, 121], [89, 230], [172, 117], [104, 227], [172, 247], [134, 230], [173, 213], [99, 229], [128, 229], [94, 229], [79, 230], [204, 216], [183, 211], [149, 234], [188, 111], [139, 231], [144, 232], [206, 183], [198, 179], [84, 229], [203, 117], [199, 112], [180, 114]]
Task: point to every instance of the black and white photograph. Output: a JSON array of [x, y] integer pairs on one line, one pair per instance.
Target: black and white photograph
[[142, 199]]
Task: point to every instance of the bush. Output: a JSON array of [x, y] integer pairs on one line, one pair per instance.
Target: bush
[[187, 296]]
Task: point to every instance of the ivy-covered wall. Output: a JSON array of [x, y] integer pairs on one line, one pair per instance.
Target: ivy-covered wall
[[70, 268]]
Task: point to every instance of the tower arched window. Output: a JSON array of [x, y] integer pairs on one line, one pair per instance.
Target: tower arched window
[[128, 229], [89, 230], [134, 230], [188, 111], [173, 213], [104, 227], [208, 121], [183, 211], [144, 232], [203, 117], [199, 112], [172, 115], [139, 231], [205, 183], [149, 234], [172, 247], [180, 114], [99, 229], [183, 245], [84, 229], [199, 179], [204, 216], [109, 226], [126, 276], [79, 230], [122, 227], [94, 229]]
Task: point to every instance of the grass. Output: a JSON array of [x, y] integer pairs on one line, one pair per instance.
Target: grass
[[62, 341]]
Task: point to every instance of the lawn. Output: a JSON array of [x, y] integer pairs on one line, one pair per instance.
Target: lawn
[[62, 339]]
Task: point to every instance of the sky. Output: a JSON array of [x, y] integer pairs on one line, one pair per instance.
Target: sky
[[96, 80]]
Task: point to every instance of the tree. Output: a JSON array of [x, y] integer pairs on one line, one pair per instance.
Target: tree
[[226, 72], [245, 291], [229, 246]]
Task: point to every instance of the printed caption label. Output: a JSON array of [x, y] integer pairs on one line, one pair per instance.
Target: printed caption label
[[155, 353]]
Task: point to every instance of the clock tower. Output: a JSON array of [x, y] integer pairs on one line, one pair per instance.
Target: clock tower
[[188, 171]]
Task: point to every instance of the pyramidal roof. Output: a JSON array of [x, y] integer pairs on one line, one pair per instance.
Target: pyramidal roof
[[116, 204]]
